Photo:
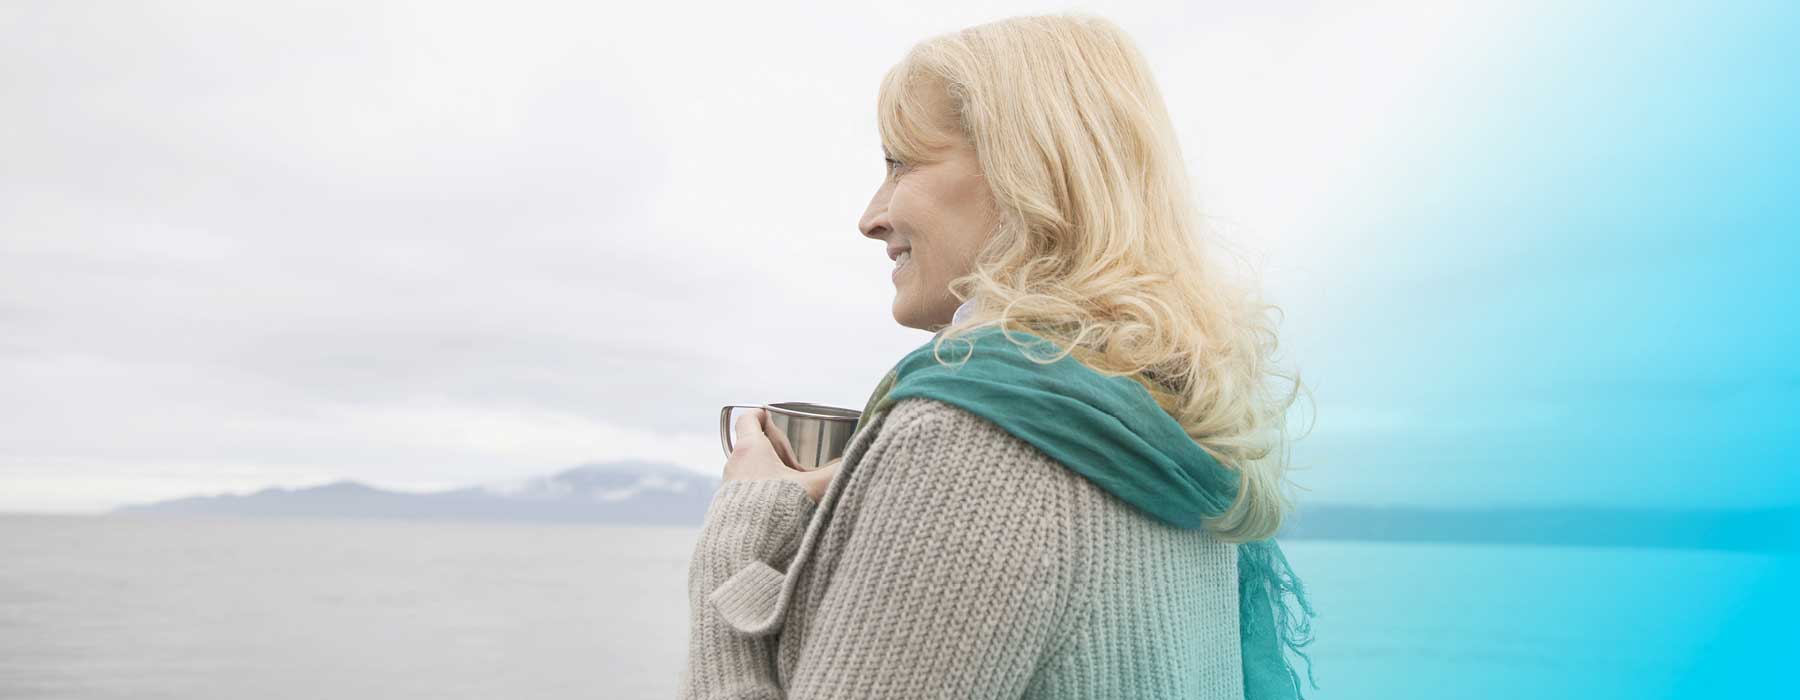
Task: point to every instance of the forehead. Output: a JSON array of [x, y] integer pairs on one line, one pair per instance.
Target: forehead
[[934, 96], [941, 118], [927, 112]]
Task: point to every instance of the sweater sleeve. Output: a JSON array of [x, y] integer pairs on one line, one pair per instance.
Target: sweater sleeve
[[751, 530], [953, 568]]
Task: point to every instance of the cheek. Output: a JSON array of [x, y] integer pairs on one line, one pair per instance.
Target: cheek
[[901, 208], [911, 215]]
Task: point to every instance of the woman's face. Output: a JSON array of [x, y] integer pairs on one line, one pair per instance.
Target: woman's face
[[934, 217]]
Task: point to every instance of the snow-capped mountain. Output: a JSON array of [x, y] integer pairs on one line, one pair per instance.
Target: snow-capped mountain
[[626, 492], [612, 482], [647, 493]]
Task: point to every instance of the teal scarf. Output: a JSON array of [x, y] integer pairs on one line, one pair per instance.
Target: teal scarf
[[1111, 431]]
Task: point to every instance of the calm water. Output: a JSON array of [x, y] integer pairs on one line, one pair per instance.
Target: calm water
[[204, 608]]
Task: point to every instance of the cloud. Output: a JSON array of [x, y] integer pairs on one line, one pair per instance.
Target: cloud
[[418, 243]]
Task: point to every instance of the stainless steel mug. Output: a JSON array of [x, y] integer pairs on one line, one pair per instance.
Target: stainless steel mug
[[807, 435]]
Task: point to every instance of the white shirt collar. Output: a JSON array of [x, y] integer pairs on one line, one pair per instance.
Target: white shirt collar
[[963, 311]]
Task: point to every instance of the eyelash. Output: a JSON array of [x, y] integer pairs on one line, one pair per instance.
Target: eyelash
[[893, 164]]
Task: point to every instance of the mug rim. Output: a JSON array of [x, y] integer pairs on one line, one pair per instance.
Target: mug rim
[[786, 408]]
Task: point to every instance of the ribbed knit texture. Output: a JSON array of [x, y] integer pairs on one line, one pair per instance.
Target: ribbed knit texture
[[949, 559]]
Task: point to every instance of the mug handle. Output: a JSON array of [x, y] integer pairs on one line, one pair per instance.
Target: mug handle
[[725, 425]]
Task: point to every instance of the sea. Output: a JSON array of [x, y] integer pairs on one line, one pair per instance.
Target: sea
[[200, 608]]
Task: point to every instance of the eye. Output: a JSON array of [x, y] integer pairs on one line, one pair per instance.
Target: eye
[[893, 165]]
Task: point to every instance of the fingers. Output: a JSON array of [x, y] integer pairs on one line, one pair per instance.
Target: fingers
[[755, 430], [817, 480], [748, 428], [778, 438]]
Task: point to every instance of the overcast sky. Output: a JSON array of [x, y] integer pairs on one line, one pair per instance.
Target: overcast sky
[[423, 246]]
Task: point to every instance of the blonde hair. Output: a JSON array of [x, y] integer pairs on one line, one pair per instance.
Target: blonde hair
[[1099, 247]]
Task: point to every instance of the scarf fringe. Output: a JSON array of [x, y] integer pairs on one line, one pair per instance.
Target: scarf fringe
[[1292, 630]]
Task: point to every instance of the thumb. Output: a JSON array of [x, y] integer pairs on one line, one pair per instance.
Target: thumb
[[748, 428]]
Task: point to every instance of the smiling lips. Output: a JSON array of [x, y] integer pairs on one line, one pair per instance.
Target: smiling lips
[[901, 260]]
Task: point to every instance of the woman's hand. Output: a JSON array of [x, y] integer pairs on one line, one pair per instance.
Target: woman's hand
[[755, 455]]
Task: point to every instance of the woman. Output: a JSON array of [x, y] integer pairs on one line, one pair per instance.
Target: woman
[[1070, 492]]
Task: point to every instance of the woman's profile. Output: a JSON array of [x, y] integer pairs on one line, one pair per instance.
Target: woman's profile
[[1072, 490]]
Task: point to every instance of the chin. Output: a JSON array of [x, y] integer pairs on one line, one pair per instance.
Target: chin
[[904, 315], [908, 314], [912, 315]]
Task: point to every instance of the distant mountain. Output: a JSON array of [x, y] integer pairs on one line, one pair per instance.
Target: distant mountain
[[629, 492], [649, 493]]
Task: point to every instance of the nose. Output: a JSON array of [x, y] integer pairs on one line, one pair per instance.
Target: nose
[[874, 222]]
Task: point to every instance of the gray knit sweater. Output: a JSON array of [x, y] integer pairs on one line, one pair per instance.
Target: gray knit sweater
[[950, 559]]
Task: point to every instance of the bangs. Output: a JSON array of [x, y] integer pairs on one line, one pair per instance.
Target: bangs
[[911, 114]]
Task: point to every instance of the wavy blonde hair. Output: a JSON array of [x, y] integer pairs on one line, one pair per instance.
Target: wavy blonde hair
[[1100, 246]]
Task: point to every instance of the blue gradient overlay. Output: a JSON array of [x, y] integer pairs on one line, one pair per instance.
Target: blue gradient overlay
[[1590, 243]]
